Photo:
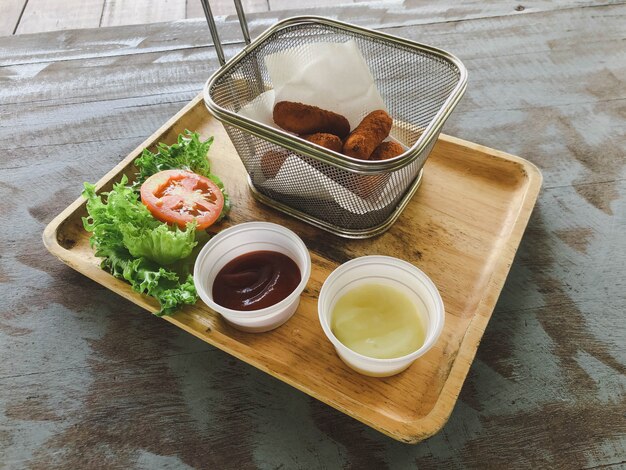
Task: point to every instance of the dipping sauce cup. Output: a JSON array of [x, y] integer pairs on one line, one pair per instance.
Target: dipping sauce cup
[[242, 239], [395, 273]]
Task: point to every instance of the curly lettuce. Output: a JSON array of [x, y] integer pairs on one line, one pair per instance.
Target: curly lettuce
[[137, 247], [155, 258], [170, 288], [123, 221], [160, 244]]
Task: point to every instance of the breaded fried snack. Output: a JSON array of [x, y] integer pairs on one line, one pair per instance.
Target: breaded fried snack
[[371, 186], [306, 119], [368, 186], [271, 161], [329, 141], [387, 150], [372, 130]]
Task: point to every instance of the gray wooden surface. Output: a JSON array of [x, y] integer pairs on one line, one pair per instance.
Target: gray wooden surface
[[88, 380], [35, 16]]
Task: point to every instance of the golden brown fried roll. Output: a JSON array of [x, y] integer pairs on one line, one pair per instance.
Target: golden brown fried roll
[[387, 150], [329, 141], [372, 130], [306, 119], [271, 161], [368, 187], [372, 186]]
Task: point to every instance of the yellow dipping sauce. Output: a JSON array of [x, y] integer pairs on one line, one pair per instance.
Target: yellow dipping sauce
[[378, 321]]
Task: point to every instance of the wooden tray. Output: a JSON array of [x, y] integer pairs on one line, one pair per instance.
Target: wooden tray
[[462, 228]]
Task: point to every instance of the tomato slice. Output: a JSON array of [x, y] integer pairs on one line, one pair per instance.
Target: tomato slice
[[179, 196]]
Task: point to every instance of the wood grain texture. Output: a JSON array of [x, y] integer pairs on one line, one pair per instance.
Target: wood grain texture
[[90, 380], [297, 4], [194, 8], [123, 12], [120, 12], [53, 15], [10, 13], [467, 252], [194, 33]]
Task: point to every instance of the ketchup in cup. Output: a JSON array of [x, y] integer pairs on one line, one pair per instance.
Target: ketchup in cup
[[253, 275], [256, 280]]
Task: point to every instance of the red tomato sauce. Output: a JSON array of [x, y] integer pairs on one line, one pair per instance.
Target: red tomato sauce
[[256, 280]]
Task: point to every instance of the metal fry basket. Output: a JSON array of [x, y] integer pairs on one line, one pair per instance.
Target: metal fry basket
[[419, 84]]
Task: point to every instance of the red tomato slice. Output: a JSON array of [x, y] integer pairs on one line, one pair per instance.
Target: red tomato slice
[[179, 196]]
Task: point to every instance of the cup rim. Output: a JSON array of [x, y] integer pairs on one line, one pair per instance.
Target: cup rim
[[266, 311], [396, 262]]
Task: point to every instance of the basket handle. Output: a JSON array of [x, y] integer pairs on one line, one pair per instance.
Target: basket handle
[[213, 28]]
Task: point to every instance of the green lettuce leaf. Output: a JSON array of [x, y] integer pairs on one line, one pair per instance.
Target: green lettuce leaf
[[137, 247], [146, 277], [123, 221], [153, 257], [160, 244], [189, 153]]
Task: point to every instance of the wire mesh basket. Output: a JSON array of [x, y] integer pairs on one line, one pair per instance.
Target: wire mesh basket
[[420, 86]]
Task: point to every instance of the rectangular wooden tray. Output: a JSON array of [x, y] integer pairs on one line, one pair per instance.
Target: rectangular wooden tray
[[462, 228]]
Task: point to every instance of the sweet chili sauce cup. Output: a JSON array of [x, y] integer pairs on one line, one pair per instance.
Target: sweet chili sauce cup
[[239, 240], [393, 272]]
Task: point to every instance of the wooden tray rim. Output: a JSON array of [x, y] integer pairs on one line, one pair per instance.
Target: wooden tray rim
[[415, 430]]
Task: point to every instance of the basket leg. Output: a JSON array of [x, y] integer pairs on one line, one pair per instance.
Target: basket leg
[[213, 28], [242, 21]]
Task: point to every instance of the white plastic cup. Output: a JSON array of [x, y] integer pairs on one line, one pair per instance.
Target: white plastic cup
[[246, 238], [395, 273]]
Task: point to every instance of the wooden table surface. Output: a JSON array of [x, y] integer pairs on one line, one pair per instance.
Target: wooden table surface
[[89, 380], [34, 16]]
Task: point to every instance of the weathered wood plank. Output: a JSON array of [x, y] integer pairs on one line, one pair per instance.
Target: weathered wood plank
[[546, 48], [48, 15], [297, 4], [194, 33], [194, 7], [124, 12], [10, 12]]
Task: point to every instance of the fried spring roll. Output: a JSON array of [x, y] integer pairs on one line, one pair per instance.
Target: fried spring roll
[[329, 141], [306, 119], [271, 162], [372, 130], [372, 186], [387, 150]]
